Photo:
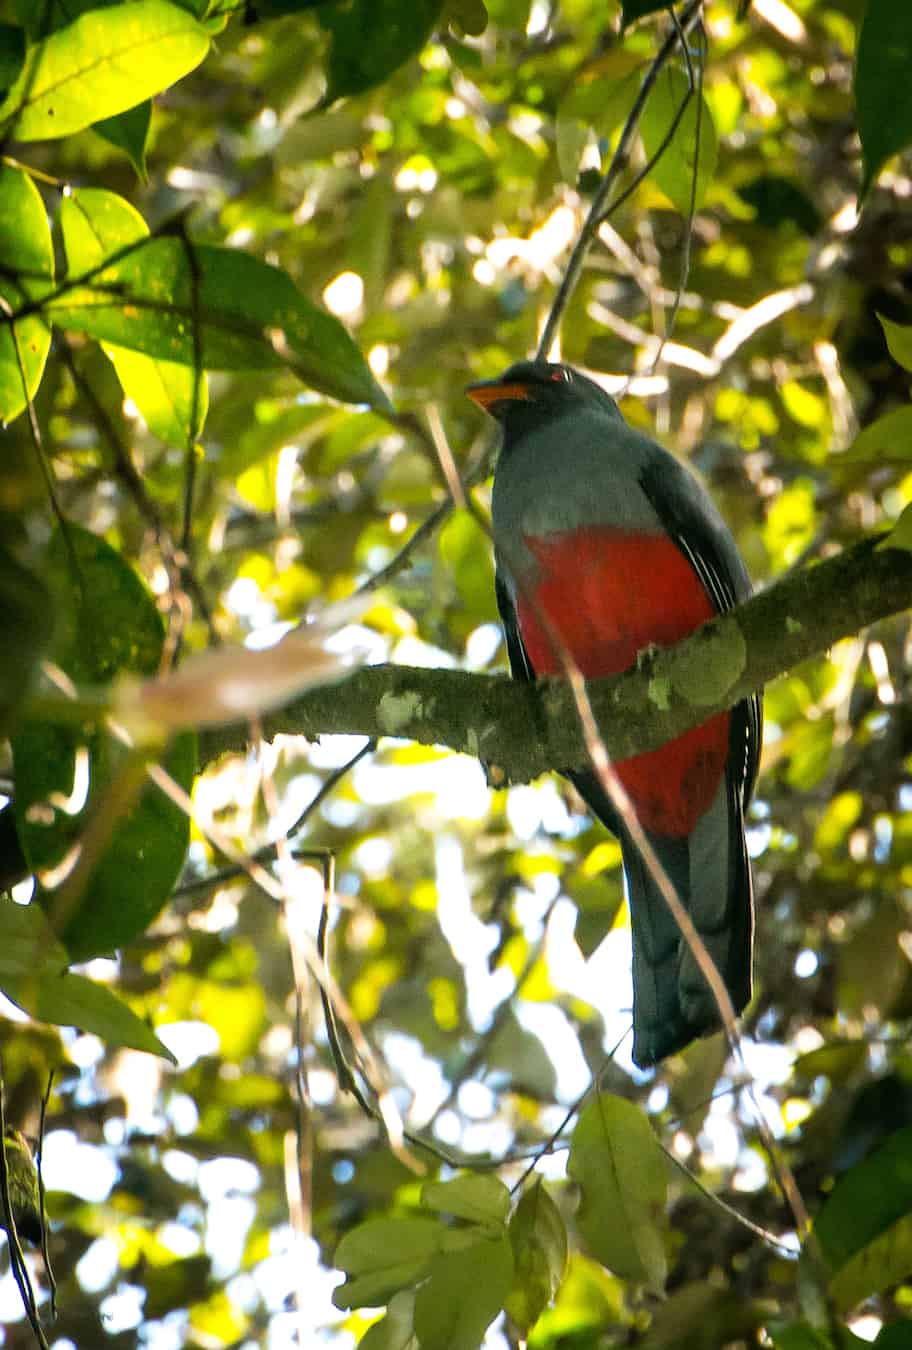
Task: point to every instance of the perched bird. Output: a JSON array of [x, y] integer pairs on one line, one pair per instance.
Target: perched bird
[[604, 539], [24, 1193]]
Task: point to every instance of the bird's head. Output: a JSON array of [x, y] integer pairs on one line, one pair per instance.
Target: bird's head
[[530, 393]]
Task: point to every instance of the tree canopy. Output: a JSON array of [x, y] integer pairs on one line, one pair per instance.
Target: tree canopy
[[316, 981]]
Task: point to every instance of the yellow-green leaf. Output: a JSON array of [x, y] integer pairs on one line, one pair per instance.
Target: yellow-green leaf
[[104, 62]]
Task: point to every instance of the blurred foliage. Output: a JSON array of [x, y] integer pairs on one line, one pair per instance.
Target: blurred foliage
[[224, 257]]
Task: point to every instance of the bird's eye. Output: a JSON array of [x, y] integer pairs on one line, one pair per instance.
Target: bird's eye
[[561, 375]]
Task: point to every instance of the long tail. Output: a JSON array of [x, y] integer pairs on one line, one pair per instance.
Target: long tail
[[709, 868]]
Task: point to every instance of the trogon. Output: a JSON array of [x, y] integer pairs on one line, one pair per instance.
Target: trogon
[[603, 539]]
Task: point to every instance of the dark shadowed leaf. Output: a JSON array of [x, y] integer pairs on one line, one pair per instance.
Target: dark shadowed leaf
[[12, 51], [25, 629], [865, 1228], [883, 90], [129, 131], [371, 39], [638, 9], [113, 626]]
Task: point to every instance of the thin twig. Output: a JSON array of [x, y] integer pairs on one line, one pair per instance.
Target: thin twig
[[17, 1260], [39, 1160], [742, 1220], [598, 209]]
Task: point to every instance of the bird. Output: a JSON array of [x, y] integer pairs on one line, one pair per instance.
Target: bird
[[24, 1190], [606, 545]]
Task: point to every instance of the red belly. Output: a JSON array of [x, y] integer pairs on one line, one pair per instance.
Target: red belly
[[608, 594]]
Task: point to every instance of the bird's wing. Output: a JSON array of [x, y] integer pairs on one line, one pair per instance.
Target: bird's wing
[[520, 665], [691, 519]]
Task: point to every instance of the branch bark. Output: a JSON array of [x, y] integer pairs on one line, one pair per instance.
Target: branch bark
[[528, 729]]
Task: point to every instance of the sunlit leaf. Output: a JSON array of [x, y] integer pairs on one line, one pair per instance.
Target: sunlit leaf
[[685, 164], [632, 10], [101, 64], [26, 273], [189, 302], [172, 398]]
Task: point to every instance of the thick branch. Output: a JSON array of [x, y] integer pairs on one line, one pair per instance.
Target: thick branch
[[528, 729]]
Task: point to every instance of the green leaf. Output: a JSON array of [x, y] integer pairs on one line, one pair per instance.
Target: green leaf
[[114, 625], [12, 52], [693, 148], [72, 1000], [478, 1198], [600, 102], [382, 1256], [889, 438], [885, 1261], [901, 534], [539, 1239], [800, 1336], [899, 341], [897, 1336], [25, 630], [631, 10], [620, 1170], [838, 1061], [33, 974], [868, 1215], [883, 90], [371, 39], [464, 1293], [467, 17], [395, 1331], [129, 131], [103, 63], [26, 273], [95, 224], [28, 945], [246, 314]]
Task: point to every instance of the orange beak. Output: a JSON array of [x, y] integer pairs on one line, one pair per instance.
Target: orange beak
[[492, 391]]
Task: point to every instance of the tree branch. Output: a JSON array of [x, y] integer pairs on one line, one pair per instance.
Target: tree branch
[[527, 729]]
